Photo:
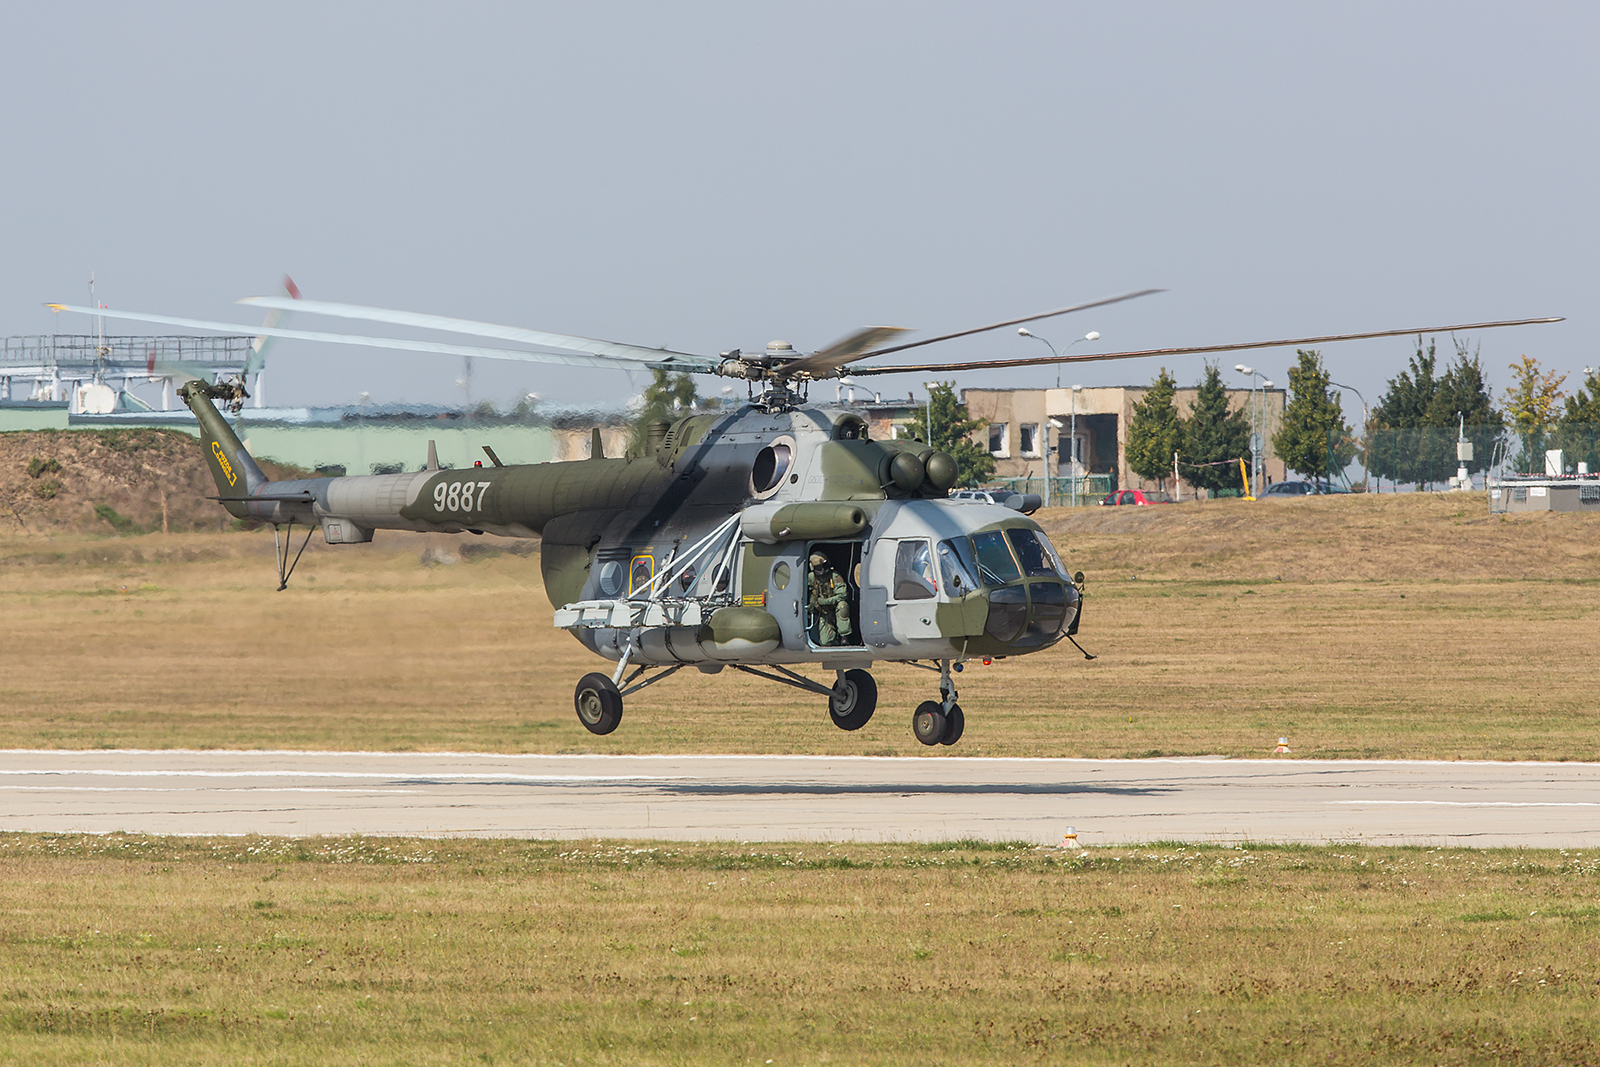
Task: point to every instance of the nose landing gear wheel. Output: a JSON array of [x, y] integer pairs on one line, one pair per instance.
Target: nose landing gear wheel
[[955, 723], [854, 699], [929, 723], [599, 704]]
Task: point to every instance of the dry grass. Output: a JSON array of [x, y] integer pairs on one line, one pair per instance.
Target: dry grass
[[139, 950], [1368, 626]]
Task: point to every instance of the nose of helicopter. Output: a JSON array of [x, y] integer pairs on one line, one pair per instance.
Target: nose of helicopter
[[1031, 613]]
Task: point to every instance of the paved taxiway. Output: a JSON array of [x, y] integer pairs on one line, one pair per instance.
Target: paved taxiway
[[751, 798]]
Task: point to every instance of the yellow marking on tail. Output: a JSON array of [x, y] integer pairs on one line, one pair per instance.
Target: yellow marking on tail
[[227, 468]]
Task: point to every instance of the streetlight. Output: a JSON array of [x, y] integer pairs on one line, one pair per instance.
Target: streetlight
[[928, 387], [1050, 424], [1092, 335], [1257, 429], [1072, 449], [1365, 475]]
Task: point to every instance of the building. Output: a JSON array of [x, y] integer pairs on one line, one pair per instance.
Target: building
[[1084, 433]]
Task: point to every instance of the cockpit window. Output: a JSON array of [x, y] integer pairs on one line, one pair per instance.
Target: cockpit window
[[995, 565], [1036, 563], [1055, 558], [913, 571], [956, 565]]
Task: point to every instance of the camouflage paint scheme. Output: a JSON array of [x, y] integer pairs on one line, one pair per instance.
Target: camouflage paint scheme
[[608, 523]]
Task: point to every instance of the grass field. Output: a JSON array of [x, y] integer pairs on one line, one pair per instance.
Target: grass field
[[134, 950], [1410, 626]]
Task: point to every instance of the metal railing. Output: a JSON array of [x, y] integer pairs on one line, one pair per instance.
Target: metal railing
[[1090, 488]]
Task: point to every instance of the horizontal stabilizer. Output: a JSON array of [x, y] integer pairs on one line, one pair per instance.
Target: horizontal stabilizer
[[302, 497]]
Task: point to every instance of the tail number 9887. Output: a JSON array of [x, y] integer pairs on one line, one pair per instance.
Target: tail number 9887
[[459, 496]]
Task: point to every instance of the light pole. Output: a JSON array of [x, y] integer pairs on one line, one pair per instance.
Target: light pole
[[1365, 476], [1258, 424], [1072, 447], [928, 388], [1050, 424], [1092, 335]]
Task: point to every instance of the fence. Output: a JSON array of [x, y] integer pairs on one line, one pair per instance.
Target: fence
[[1427, 456], [1090, 487]]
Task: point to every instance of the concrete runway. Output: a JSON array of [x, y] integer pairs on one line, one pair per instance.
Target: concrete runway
[[791, 798]]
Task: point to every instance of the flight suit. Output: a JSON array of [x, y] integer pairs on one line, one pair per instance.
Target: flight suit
[[830, 603]]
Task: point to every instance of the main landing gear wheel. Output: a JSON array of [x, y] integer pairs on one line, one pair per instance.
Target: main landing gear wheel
[[854, 699], [929, 723], [599, 704], [954, 724]]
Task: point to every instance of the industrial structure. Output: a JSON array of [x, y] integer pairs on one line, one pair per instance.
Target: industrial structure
[[98, 375]]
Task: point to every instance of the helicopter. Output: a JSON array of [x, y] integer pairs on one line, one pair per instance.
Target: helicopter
[[758, 539]]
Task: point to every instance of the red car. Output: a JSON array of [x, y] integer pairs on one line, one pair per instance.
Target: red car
[[1135, 496]]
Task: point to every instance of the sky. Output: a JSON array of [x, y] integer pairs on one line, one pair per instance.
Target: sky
[[713, 176]]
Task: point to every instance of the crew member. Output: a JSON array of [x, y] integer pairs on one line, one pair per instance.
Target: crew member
[[829, 602]]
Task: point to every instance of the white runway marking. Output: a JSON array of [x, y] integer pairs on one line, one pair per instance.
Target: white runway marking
[[767, 798], [1484, 803]]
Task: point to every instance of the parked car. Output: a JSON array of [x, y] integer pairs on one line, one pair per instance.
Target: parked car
[[1135, 496], [1290, 489], [1027, 503]]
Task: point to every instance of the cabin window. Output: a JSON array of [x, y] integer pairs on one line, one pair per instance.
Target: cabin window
[[955, 564], [997, 439], [913, 571], [641, 574]]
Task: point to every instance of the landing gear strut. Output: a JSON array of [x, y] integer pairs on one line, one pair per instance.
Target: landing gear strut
[[599, 698], [940, 722]]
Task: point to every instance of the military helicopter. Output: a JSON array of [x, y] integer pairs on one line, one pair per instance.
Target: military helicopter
[[757, 539]]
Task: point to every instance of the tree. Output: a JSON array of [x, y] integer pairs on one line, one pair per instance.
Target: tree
[[668, 396], [1532, 404], [1213, 435], [1578, 434], [1314, 438], [1393, 426], [952, 431], [1155, 431]]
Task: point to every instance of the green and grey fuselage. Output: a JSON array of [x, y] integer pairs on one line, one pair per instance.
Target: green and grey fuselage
[[931, 578]]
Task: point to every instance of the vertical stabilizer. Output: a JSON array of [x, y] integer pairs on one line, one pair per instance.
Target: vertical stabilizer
[[236, 473]]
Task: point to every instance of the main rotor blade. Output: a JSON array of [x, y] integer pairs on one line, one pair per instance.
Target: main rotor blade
[[665, 360], [1037, 361], [843, 351], [612, 349], [1008, 322]]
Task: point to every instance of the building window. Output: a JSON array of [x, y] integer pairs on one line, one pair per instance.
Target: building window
[[1029, 434], [997, 439]]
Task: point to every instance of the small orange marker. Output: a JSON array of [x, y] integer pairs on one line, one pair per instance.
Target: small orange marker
[[1283, 747], [1070, 839]]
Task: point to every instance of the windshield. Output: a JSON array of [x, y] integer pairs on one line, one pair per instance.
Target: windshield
[[1050, 550], [995, 565], [1031, 554], [955, 562]]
